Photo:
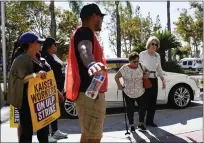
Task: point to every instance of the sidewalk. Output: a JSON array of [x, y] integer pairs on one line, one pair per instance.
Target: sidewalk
[[174, 126]]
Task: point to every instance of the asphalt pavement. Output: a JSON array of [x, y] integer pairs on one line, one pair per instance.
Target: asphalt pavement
[[184, 125]]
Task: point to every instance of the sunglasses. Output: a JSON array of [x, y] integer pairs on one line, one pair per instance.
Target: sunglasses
[[154, 44], [135, 62]]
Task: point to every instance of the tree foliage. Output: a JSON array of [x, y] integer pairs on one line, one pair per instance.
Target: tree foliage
[[167, 41], [24, 16], [191, 28]]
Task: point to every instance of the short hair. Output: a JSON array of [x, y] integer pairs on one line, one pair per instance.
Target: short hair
[[133, 56], [152, 38]]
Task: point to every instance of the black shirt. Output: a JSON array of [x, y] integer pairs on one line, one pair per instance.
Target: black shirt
[[57, 69], [83, 33]]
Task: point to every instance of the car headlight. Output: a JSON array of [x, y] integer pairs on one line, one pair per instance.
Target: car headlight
[[196, 81]]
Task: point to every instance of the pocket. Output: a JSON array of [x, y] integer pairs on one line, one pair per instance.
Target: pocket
[[92, 124]]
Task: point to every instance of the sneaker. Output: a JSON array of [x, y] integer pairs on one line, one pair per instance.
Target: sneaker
[[51, 139], [60, 135], [151, 124], [141, 127], [132, 128]]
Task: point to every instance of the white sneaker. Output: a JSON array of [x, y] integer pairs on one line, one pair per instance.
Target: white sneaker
[[60, 135]]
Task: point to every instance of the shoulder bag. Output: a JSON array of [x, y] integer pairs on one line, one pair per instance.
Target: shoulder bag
[[146, 82]]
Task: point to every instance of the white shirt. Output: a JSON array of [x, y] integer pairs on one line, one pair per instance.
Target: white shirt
[[152, 63], [133, 81]]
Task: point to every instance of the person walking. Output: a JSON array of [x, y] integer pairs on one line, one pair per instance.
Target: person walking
[[86, 58], [152, 61], [48, 52], [26, 66], [133, 90]]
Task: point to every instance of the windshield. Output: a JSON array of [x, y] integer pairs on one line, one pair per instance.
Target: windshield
[[199, 61]]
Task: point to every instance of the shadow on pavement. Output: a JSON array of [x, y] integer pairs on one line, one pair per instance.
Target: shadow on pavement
[[116, 124]]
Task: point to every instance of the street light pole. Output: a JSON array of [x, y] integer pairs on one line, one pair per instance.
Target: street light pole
[[3, 44]]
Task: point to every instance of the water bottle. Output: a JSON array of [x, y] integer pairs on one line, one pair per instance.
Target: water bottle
[[94, 87]]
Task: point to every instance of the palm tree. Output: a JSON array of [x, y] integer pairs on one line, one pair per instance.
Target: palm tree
[[75, 6], [167, 41], [118, 29], [53, 20], [169, 27]]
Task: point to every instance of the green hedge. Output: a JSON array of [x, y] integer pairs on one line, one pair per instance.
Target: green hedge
[[172, 67]]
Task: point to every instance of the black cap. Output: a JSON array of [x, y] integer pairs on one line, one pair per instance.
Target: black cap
[[49, 41], [89, 10]]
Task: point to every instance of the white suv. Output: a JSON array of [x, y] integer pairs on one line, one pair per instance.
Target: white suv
[[180, 90]]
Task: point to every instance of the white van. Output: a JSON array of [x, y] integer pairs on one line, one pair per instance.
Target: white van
[[191, 64]]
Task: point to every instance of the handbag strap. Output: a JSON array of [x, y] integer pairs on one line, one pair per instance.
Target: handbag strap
[[141, 67]]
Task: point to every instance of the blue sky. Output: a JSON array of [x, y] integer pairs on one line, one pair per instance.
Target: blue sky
[[155, 8]]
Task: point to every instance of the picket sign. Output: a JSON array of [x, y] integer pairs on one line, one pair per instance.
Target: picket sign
[[43, 102]]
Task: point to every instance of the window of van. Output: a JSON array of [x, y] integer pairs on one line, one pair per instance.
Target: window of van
[[199, 61], [190, 63], [184, 63]]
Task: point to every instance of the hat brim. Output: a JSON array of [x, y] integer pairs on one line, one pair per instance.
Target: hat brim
[[103, 14]]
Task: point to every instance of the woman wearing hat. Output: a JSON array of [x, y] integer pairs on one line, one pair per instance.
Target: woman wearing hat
[[26, 66], [49, 50]]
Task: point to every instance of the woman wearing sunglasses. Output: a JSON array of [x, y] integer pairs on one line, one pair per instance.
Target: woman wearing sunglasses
[[133, 90], [27, 64], [49, 50], [151, 60]]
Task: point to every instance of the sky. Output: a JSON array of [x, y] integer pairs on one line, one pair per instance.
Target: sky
[[155, 8]]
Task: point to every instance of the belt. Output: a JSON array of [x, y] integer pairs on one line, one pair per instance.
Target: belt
[[152, 74]]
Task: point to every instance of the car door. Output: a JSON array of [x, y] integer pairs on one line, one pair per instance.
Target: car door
[[114, 66], [113, 94]]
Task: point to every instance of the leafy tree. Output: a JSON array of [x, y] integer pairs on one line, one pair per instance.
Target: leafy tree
[[16, 23], [114, 9], [140, 47], [191, 29], [183, 52], [67, 22], [157, 26]]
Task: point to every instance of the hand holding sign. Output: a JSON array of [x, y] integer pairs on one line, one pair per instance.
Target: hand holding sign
[[42, 74], [43, 100]]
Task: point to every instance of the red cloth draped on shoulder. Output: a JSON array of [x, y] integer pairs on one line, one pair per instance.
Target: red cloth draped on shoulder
[[73, 78]]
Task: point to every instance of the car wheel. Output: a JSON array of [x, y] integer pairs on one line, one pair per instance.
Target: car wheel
[[69, 109], [180, 96]]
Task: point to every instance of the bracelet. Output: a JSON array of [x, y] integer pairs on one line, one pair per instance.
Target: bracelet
[[91, 64], [34, 75]]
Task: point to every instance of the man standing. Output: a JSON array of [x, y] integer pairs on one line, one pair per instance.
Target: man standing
[[85, 59]]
